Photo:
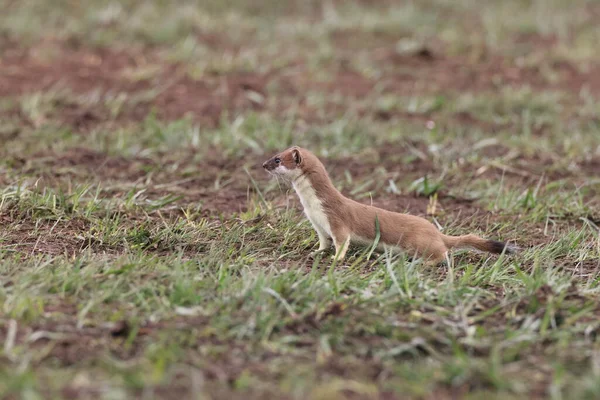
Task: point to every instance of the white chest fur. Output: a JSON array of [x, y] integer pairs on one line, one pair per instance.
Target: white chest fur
[[313, 207]]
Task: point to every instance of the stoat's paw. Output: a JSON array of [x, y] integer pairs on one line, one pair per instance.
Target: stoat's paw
[[315, 253]]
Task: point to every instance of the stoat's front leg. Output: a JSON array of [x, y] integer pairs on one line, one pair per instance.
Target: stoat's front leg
[[324, 241]]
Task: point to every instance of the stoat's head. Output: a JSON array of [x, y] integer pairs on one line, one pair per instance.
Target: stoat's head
[[287, 164]]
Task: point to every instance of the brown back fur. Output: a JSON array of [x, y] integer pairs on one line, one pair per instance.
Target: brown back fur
[[411, 233]]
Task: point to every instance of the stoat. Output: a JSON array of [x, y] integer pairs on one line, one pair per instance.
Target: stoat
[[335, 217]]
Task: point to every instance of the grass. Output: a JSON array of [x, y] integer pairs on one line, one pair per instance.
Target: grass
[[144, 253]]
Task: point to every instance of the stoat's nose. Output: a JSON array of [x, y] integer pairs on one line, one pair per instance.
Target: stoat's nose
[[265, 164]]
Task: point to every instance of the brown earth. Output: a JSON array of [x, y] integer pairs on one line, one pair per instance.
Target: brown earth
[[61, 65]]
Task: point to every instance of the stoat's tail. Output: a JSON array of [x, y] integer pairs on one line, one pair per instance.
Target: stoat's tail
[[491, 246]]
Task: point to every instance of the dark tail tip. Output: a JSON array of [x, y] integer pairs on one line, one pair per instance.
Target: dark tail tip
[[501, 247]]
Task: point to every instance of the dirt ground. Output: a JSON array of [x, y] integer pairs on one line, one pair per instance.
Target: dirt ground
[[54, 65], [80, 70]]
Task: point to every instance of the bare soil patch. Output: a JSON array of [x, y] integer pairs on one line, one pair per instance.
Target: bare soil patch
[[443, 73], [48, 237], [219, 184], [82, 71], [206, 98], [82, 162], [431, 69]]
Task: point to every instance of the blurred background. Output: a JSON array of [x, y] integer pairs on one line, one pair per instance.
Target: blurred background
[[118, 90], [144, 251]]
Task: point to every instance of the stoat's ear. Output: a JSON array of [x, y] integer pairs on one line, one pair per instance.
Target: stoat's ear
[[297, 156]]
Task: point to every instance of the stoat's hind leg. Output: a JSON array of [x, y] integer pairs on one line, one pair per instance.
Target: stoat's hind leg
[[436, 258]]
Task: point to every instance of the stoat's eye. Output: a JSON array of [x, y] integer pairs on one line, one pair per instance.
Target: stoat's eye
[[278, 160]]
